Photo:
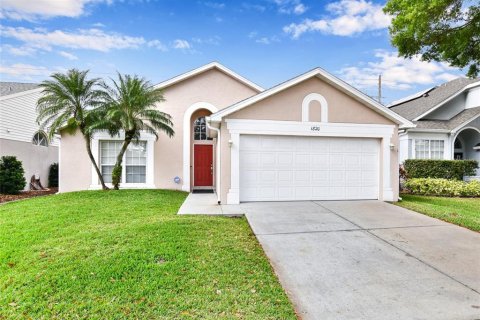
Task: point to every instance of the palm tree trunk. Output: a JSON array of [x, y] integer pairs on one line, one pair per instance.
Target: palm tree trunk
[[88, 144], [117, 169]]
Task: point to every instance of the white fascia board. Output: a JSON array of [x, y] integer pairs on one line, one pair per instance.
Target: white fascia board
[[429, 130], [468, 87], [204, 68], [19, 94], [404, 123]]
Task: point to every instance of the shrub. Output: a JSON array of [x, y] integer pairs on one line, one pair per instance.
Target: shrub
[[12, 178], [443, 187], [445, 169], [53, 176]]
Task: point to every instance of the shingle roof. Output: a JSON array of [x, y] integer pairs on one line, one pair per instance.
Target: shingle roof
[[451, 124], [411, 109], [7, 88]]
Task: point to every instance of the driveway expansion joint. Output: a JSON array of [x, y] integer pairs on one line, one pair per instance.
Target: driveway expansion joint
[[400, 249], [346, 230]]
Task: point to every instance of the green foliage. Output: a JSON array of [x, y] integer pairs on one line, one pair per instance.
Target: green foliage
[[446, 169], [129, 255], [12, 179], [440, 30], [443, 187], [116, 175], [461, 211], [53, 176], [131, 107]]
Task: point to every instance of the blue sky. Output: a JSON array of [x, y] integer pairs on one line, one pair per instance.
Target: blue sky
[[266, 41]]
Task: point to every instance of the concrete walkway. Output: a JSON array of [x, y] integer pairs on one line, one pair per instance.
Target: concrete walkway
[[206, 204], [369, 260]]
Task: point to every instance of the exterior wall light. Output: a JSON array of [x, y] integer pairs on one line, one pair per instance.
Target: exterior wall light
[[230, 143], [392, 146]]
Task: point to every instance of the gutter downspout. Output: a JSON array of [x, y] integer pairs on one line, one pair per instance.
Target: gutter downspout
[[218, 164]]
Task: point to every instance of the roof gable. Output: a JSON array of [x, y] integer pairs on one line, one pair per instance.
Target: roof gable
[[207, 67], [422, 104], [325, 76]]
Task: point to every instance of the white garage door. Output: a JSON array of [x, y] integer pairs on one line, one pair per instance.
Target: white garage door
[[282, 168]]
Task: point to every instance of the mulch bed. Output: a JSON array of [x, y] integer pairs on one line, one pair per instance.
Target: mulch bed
[[26, 195]]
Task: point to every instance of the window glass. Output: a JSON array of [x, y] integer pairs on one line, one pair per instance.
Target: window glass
[[429, 149], [108, 155], [421, 149], [200, 129], [136, 163], [40, 139]]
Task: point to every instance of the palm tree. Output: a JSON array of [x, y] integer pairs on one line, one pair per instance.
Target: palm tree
[[132, 109], [69, 101]]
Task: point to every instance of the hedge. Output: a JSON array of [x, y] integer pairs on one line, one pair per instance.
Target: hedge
[[12, 179], [443, 187], [53, 176], [444, 169]]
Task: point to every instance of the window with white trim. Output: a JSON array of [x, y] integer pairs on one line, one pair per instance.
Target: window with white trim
[[135, 161], [40, 139], [429, 149], [200, 129]]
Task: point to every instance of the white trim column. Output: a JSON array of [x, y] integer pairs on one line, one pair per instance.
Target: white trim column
[[233, 195], [387, 192]]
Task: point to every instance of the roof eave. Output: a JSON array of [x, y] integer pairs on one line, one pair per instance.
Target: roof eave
[[209, 66]]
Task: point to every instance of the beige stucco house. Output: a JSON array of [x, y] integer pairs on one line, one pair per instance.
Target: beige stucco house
[[313, 137]]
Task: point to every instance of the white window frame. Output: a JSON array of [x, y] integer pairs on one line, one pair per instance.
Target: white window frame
[[43, 137], [414, 147], [149, 171]]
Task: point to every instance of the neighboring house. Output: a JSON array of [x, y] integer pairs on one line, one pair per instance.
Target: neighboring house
[[313, 137], [447, 119], [20, 134]]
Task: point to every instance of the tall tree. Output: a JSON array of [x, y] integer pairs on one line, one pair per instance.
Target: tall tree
[[69, 102], [440, 30], [131, 109]]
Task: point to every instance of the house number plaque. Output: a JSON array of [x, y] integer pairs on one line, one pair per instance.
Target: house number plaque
[[315, 128]]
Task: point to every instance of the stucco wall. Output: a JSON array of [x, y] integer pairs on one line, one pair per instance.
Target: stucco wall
[[287, 106], [213, 87], [36, 160], [75, 166]]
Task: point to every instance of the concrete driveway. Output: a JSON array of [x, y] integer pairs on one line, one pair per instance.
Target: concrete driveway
[[369, 260]]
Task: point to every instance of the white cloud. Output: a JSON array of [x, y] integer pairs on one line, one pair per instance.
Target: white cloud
[[214, 5], [21, 51], [181, 44], [290, 6], [157, 44], [215, 40], [251, 6], [43, 9], [299, 8], [93, 39], [267, 40], [24, 71], [347, 17], [68, 55], [397, 73]]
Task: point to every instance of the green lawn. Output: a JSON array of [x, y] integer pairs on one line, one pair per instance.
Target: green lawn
[[464, 212], [126, 254]]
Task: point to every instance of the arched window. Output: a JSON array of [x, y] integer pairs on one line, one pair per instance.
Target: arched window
[[200, 129], [40, 139]]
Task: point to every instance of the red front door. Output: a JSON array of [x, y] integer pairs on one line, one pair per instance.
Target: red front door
[[202, 165]]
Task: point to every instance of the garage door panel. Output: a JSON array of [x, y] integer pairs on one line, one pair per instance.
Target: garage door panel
[[274, 168]]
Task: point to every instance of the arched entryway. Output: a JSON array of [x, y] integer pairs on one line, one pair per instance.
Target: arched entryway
[[465, 144], [198, 148]]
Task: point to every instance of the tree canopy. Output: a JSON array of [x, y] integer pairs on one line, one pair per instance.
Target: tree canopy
[[438, 30]]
